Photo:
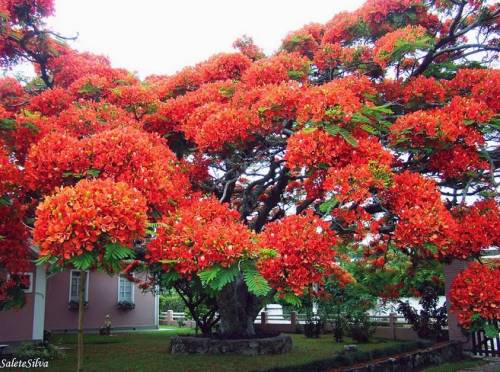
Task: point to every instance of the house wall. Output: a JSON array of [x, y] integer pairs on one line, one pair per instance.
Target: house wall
[[102, 300], [17, 324]]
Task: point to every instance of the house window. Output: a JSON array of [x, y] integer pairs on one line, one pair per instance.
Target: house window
[[74, 286], [125, 289], [25, 279]]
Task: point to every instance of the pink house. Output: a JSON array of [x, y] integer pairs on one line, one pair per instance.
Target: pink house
[[49, 299]]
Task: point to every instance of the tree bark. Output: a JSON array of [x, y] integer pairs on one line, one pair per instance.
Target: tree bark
[[81, 305], [238, 309]]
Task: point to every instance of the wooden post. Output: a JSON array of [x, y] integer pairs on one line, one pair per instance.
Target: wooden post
[[263, 317], [293, 318], [392, 325], [81, 304], [170, 317]]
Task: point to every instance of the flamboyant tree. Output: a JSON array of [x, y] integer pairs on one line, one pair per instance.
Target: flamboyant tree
[[376, 132]]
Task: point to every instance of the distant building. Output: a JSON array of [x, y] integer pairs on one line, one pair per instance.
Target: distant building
[[50, 305]]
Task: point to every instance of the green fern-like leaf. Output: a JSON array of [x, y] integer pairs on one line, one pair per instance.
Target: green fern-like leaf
[[490, 330], [224, 277], [168, 278], [255, 282], [292, 299], [83, 262], [206, 276], [117, 252], [42, 260], [348, 137]]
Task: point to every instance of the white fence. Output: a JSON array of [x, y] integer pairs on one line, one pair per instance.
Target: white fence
[[390, 326]]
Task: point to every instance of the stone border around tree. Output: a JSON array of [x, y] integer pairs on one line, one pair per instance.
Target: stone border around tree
[[255, 346]]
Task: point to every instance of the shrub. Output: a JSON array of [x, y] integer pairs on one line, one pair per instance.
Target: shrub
[[430, 321], [40, 350], [360, 328], [172, 301]]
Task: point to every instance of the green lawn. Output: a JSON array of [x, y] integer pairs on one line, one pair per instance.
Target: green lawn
[[456, 366], [148, 351]]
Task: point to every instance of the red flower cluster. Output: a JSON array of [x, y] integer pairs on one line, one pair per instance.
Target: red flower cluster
[[124, 154], [29, 128], [330, 102], [225, 113], [390, 89], [453, 132], [226, 125], [10, 176], [91, 87], [312, 148], [436, 128], [457, 162], [468, 111], [329, 56], [277, 102], [476, 292], [170, 115], [14, 242], [186, 80], [137, 99], [272, 70], [355, 183], [224, 66], [88, 118], [425, 227], [339, 28], [304, 41], [220, 67], [316, 149], [423, 90], [197, 169], [86, 217], [51, 102], [387, 44], [481, 84], [50, 159], [478, 227], [305, 254], [300, 42], [200, 235], [69, 66], [11, 93], [377, 17]]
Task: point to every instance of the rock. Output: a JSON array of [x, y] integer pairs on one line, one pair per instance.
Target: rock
[[351, 347]]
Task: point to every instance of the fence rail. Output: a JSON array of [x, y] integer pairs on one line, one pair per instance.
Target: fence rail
[[390, 326], [172, 314], [171, 317]]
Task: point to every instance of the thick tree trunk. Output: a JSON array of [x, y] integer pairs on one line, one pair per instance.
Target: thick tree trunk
[[238, 309], [81, 305]]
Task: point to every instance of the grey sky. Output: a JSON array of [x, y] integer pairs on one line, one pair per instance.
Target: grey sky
[[162, 36]]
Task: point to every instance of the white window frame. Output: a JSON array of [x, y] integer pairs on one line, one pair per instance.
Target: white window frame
[[132, 294], [86, 286], [28, 274]]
